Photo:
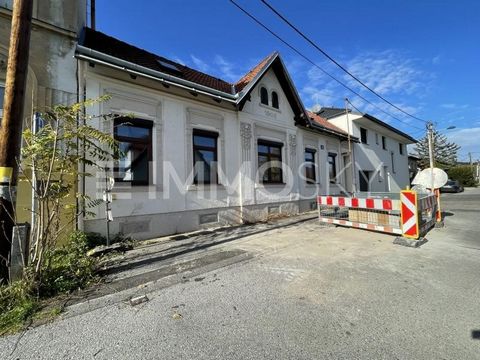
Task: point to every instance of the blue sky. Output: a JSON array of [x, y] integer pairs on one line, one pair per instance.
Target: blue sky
[[423, 56]]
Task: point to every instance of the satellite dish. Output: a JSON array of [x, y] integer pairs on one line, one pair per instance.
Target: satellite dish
[[424, 178]]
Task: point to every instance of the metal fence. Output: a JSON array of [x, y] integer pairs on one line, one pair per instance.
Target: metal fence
[[406, 213], [368, 211]]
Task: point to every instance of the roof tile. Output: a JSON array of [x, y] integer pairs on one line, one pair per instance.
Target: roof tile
[[324, 123]]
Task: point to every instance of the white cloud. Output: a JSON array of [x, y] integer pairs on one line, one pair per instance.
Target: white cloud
[[436, 60], [467, 138], [388, 72], [228, 70], [200, 64], [454, 106]]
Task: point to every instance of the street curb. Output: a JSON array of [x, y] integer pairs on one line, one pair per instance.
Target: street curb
[[126, 295]]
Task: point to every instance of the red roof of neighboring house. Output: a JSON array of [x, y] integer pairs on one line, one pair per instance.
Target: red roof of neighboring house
[[324, 123]]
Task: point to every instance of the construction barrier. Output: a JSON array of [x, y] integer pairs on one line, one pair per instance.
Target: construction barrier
[[408, 213]]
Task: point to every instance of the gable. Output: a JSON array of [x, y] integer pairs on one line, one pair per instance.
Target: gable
[[276, 69], [253, 105]]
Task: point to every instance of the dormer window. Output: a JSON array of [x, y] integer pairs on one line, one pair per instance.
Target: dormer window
[[264, 96], [274, 99]]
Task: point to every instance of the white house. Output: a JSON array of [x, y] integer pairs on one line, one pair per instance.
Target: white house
[[380, 157], [202, 151]]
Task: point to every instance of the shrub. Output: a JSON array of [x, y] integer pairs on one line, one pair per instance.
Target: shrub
[[17, 304], [464, 174], [67, 268]]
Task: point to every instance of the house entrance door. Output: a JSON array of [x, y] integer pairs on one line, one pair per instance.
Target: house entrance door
[[364, 177]]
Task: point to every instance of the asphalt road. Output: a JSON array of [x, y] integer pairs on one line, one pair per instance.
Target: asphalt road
[[307, 292], [462, 210]]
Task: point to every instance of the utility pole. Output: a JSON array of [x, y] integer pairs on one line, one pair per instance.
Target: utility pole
[[430, 153], [350, 148], [11, 124], [471, 162]]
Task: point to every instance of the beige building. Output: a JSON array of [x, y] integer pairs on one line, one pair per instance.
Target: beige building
[[52, 65]]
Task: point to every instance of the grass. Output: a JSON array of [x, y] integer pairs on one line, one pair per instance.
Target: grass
[[65, 270]]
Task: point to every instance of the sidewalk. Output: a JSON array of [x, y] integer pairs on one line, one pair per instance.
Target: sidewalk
[[162, 262]]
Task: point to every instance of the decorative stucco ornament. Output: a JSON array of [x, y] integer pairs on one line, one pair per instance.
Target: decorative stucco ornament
[[246, 134], [292, 142]]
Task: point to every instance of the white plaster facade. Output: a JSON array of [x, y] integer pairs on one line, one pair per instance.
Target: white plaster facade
[[171, 203], [380, 156]]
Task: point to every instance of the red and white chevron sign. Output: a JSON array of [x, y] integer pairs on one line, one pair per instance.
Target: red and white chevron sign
[[409, 214]]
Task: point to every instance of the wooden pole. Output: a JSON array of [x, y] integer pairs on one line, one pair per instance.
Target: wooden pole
[[11, 124]]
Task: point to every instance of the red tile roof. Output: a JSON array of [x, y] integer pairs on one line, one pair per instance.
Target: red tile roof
[[105, 44], [245, 80], [324, 123]]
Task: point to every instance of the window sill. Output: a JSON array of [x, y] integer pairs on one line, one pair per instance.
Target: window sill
[[202, 187], [269, 107], [270, 185], [125, 187]]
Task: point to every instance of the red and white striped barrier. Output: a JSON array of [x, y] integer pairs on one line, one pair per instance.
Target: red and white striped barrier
[[362, 203], [354, 224], [417, 215]]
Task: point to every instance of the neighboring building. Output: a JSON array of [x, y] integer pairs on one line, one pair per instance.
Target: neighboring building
[[196, 144], [52, 66], [413, 167], [381, 159]]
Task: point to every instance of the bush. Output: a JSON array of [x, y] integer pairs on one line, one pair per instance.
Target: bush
[[17, 304], [464, 174], [64, 270], [68, 268]]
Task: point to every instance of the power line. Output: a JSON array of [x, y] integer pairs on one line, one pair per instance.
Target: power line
[[314, 64], [298, 31], [361, 112]]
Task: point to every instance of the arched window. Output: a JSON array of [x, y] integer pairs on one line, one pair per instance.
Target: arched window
[[264, 96], [275, 99]]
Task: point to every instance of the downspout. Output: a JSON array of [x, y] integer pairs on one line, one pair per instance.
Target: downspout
[[240, 191]]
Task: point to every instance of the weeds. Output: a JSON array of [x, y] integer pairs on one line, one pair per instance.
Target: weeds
[[67, 269]]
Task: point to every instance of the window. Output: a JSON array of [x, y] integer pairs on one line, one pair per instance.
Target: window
[[270, 153], [376, 138], [135, 140], [274, 99], [332, 167], [384, 143], [400, 148], [2, 94], [264, 96], [205, 157], [363, 136], [392, 156], [310, 167]]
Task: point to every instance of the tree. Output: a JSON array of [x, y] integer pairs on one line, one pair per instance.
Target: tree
[[51, 158], [464, 174], [444, 152]]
